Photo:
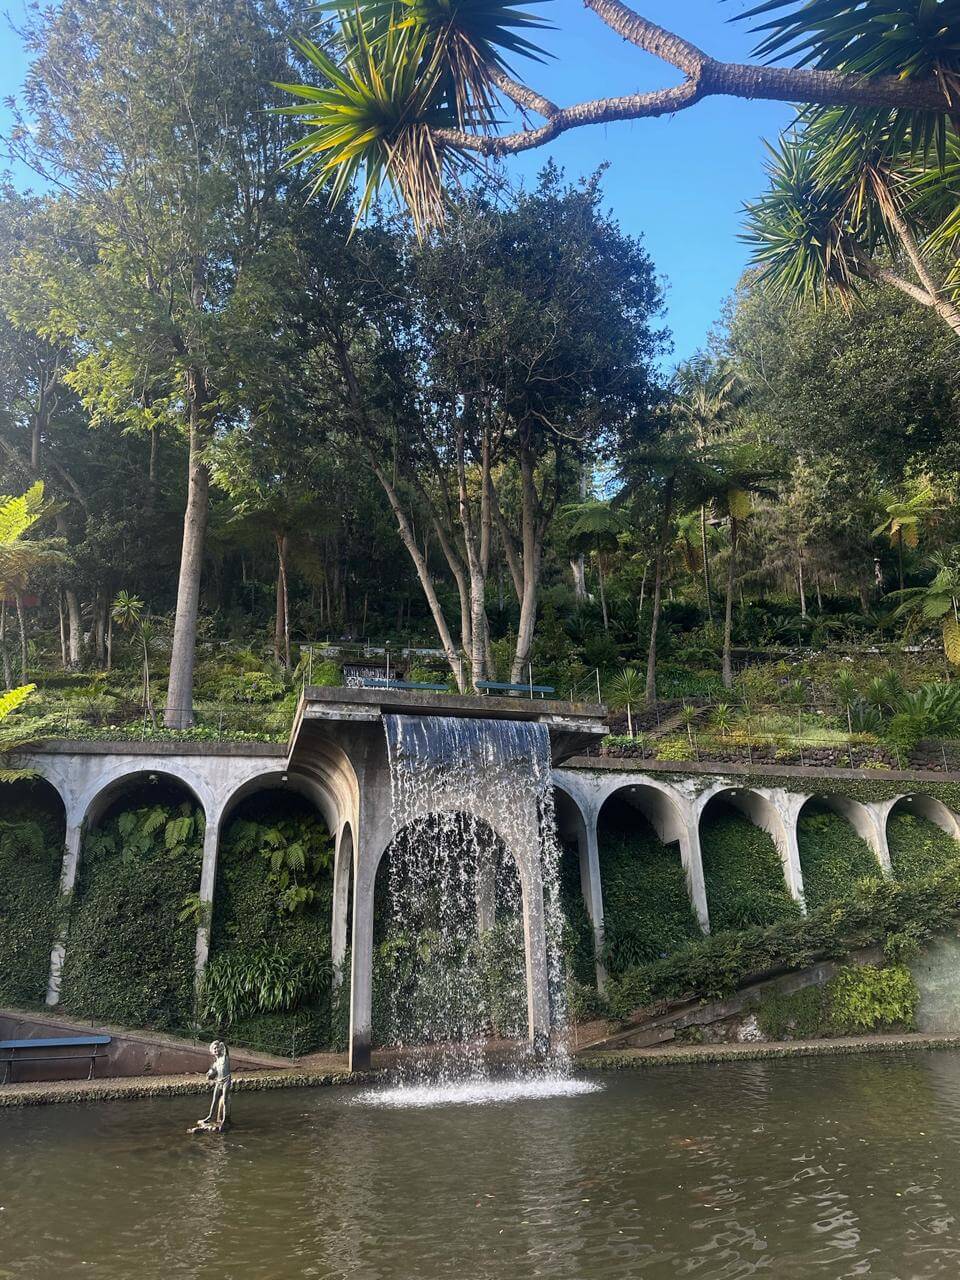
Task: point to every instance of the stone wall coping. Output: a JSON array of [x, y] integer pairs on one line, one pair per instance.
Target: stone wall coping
[[631, 764], [401, 700], [100, 747]]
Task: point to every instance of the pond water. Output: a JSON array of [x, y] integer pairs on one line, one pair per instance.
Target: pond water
[[818, 1168]]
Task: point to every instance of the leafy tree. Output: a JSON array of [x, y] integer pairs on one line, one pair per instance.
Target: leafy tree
[[173, 161]]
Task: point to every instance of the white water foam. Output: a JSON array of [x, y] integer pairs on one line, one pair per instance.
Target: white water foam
[[476, 1092]]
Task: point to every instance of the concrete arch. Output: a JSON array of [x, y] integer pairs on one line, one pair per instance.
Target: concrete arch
[[774, 811], [534, 927], [576, 817], [299, 783], [861, 817], [927, 807], [41, 766], [110, 786], [343, 870]]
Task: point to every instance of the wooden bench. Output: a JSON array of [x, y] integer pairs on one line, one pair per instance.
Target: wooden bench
[[529, 690], [10, 1053], [406, 684]]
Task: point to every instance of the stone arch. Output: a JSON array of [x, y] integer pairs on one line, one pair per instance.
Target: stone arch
[[927, 807], [931, 811], [771, 812], [646, 852], [532, 906], [113, 782], [861, 824]]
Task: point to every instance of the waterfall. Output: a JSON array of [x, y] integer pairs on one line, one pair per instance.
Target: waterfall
[[472, 801]]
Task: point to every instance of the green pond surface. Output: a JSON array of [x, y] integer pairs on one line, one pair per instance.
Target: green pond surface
[[829, 1167]]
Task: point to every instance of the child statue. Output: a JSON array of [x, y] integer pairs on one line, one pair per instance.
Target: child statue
[[218, 1117]]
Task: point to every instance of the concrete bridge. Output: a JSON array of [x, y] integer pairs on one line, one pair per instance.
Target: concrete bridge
[[336, 758]]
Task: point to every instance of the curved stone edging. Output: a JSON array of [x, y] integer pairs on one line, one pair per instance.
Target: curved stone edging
[[697, 1055], [135, 1088]]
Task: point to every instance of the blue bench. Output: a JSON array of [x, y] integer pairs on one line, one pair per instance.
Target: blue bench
[[529, 689], [11, 1055], [405, 684]]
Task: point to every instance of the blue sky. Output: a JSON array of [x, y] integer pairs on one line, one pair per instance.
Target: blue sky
[[679, 181]]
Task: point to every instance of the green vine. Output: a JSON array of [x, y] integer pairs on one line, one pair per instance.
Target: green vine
[[31, 853]]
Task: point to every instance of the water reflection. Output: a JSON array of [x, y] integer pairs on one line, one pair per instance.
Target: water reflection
[[832, 1168]]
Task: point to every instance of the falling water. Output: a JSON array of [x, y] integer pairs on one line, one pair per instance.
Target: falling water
[[452, 963]]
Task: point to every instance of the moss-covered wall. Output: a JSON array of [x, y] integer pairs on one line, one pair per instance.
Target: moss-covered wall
[[832, 856], [130, 951], [742, 872], [31, 854]]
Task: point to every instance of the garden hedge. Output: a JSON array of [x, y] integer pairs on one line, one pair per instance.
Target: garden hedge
[[832, 857], [743, 874]]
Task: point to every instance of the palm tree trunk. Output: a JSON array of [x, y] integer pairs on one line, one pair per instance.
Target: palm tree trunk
[[800, 583], [728, 615], [651, 685], [73, 626], [63, 631], [900, 557], [706, 561]]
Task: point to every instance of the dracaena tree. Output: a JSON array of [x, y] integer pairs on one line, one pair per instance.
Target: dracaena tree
[[413, 92]]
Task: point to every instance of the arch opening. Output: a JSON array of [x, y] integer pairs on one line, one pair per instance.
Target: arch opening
[[449, 958], [922, 836], [647, 912], [130, 952], [32, 833], [834, 850], [742, 863], [269, 979]]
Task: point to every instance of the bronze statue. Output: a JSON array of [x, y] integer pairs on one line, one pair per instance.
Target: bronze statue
[[218, 1117]]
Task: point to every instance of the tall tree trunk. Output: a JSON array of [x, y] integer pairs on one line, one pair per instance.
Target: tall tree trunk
[[281, 630], [423, 573], [816, 583], [801, 584], [900, 557], [603, 593], [643, 589], [728, 615], [22, 627], [704, 552], [651, 685], [578, 569], [63, 630], [4, 651], [532, 547], [109, 639], [74, 626], [183, 655]]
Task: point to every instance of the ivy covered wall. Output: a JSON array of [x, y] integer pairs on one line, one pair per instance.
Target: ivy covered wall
[[742, 872], [130, 952], [31, 855], [832, 856], [918, 848], [646, 909], [269, 981]]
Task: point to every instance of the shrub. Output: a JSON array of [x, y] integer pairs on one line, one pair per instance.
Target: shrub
[[327, 674], [832, 857], [743, 875], [867, 998], [858, 998], [676, 748], [873, 912]]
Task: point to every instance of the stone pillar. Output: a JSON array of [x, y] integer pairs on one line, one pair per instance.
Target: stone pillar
[[486, 896], [875, 834], [692, 859], [535, 948], [68, 883], [343, 862], [208, 881], [790, 854], [361, 971], [591, 887]]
